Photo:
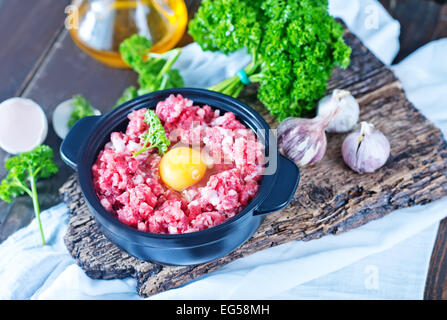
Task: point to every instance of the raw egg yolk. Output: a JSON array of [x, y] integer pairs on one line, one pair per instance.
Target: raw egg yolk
[[181, 168]]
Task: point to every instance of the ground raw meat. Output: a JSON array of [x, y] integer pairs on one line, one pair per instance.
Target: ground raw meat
[[131, 188]]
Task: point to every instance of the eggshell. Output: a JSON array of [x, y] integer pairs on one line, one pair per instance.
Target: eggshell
[[23, 125]]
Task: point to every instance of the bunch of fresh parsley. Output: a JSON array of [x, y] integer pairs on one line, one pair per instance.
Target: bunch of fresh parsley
[[294, 47]]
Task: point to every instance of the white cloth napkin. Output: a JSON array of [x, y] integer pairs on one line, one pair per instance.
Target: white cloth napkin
[[384, 259]]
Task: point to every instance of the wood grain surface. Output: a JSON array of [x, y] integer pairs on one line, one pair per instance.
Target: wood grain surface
[[421, 21], [27, 33], [330, 199], [436, 284]]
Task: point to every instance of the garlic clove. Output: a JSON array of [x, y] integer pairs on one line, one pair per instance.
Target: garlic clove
[[304, 140], [366, 150], [349, 112]]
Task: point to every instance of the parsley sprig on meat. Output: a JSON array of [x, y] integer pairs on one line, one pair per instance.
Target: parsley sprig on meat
[[23, 172], [294, 46], [155, 137]]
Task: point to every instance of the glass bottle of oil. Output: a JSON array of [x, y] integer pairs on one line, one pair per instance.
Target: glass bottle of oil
[[99, 26]]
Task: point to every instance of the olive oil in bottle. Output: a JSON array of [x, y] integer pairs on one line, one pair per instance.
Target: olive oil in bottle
[[102, 25]]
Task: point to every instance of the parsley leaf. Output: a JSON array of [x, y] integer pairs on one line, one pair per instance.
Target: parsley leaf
[[81, 108], [155, 137], [154, 70]]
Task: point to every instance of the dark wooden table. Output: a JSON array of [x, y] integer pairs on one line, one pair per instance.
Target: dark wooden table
[[40, 61]]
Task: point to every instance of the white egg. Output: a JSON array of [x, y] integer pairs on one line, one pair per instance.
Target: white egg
[[23, 125]]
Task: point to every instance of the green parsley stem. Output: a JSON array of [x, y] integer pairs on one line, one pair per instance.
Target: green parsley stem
[[36, 204], [237, 91], [256, 77], [233, 86], [21, 186], [222, 85], [136, 153], [163, 82], [168, 65]]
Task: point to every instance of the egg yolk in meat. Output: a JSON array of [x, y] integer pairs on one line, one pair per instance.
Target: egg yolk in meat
[[181, 168]]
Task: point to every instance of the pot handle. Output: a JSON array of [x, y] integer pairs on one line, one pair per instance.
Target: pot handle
[[76, 136], [283, 189]]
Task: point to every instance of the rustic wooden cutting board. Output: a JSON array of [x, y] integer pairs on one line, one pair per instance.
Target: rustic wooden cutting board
[[330, 198]]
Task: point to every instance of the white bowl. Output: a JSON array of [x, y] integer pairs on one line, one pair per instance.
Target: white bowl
[[61, 116]]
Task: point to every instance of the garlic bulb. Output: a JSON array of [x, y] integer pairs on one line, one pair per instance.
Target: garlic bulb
[[304, 140], [365, 150], [347, 117]]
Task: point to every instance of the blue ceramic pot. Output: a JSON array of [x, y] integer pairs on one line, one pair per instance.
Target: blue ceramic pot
[[89, 135]]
